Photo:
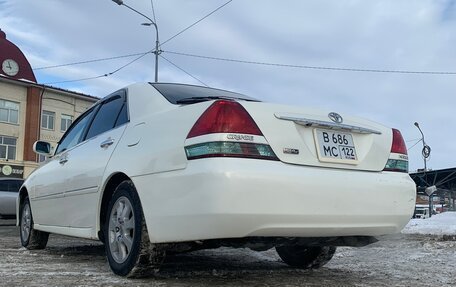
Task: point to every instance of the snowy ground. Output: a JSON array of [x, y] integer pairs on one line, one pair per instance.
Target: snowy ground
[[439, 225], [399, 260]]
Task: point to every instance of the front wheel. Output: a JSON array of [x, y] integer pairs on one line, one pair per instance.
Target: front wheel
[[127, 244], [306, 257], [30, 238]]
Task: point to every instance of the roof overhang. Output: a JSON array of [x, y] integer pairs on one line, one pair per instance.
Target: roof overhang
[[443, 179]]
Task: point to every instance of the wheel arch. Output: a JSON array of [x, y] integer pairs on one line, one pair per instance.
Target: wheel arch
[[108, 190]]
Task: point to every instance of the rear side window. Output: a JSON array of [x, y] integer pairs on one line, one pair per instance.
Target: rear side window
[[73, 136], [123, 116], [106, 117], [10, 185]]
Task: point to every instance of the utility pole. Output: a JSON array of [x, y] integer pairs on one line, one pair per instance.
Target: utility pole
[[151, 22], [426, 152]]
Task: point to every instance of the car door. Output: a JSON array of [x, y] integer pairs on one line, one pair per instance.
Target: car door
[[87, 162], [48, 182]]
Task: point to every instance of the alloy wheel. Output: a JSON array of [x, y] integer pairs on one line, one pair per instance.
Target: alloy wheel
[[26, 222], [121, 229]]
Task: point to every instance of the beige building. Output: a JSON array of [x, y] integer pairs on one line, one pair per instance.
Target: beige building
[[30, 112]]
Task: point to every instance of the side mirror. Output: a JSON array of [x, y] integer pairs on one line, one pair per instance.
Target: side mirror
[[42, 147]]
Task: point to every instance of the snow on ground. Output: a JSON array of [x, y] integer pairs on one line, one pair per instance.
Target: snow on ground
[[439, 224]]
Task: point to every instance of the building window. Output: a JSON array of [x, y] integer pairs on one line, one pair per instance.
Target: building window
[[47, 120], [65, 122], [7, 148], [9, 112]]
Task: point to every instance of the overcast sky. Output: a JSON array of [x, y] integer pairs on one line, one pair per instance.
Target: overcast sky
[[388, 35]]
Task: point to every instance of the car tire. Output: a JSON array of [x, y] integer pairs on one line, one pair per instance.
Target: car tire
[[305, 257], [127, 244], [30, 238]]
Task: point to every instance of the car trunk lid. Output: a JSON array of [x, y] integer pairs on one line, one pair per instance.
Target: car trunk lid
[[318, 138]]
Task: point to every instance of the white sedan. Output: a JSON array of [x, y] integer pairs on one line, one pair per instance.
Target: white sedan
[[157, 168]]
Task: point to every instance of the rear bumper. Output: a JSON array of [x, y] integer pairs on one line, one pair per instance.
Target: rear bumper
[[233, 198]]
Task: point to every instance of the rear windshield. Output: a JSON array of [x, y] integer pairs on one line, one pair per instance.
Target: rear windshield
[[176, 93], [10, 185]]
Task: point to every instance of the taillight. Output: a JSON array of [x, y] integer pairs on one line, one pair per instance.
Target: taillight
[[239, 135], [398, 160], [398, 145], [224, 117]]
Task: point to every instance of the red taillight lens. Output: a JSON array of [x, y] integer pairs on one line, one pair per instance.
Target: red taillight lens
[[398, 145], [224, 117]]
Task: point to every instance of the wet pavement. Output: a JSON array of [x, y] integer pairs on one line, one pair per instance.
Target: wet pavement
[[399, 260]]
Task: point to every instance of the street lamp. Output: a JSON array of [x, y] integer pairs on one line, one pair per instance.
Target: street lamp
[[157, 51], [426, 151]]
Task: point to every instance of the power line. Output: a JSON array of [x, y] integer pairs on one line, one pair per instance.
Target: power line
[[414, 145], [131, 55], [226, 59], [128, 55], [184, 71], [92, 61], [77, 80], [249, 61], [213, 11], [128, 64], [135, 54], [312, 67], [99, 76], [414, 140]]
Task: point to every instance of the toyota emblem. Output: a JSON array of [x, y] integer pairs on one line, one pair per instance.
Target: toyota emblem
[[335, 117]]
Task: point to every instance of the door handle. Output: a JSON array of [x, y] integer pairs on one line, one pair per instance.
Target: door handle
[[63, 160], [106, 143]]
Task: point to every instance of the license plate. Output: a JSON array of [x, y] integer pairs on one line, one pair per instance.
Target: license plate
[[335, 146]]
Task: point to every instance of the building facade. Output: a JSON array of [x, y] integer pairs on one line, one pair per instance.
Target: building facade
[[30, 112]]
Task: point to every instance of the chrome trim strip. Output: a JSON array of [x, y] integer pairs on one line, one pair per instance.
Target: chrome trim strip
[[49, 196], [90, 189], [327, 125], [86, 190]]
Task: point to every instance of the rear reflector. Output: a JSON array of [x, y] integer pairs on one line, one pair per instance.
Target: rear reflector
[[230, 149], [398, 160], [396, 165], [224, 117]]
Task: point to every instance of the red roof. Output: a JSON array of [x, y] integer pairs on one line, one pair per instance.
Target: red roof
[[10, 51]]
